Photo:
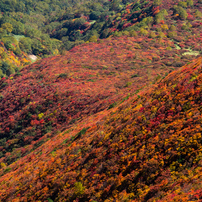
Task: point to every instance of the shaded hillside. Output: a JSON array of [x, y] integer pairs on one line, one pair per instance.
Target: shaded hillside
[[147, 148], [44, 26], [53, 93], [180, 21]]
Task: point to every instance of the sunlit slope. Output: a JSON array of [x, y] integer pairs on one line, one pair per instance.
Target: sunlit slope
[[147, 148], [53, 93]]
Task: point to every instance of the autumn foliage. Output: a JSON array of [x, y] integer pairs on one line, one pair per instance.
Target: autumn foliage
[[55, 92], [115, 119], [143, 149]]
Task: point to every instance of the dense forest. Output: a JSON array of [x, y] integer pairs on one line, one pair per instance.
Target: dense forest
[[100, 100], [43, 27], [46, 28]]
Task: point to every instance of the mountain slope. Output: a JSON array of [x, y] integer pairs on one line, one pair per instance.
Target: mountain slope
[[53, 93], [147, 148]]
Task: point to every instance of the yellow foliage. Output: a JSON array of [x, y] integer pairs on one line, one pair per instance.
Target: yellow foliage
[[40, 115], [93, 39], [164, 27], [1, 50], [138, 107], [2, 165]]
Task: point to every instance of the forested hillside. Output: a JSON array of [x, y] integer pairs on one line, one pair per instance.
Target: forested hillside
[[43, 27], [100, 100]]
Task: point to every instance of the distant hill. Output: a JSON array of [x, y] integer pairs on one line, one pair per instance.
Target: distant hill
[[147, 148], [49, 27]]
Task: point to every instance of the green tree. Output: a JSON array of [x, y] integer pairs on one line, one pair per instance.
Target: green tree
[[17, 51], [158, 18], [20, 7], [172, 34], [7, 26], [67, 45], [104, 33], [143, 31], [93, 39], [33, 33], [37, 48], [133, 33], [4, 67], [18, 28], [25, 44], [198, 14], [182, 4], [3, 32], [62, 32], [161, 35], [190, 3], [183, 14], [152, 35], [78, 23], [157, 2], [180, 11], [118, 34], [8, 45], [78, 189], [172, 28], [1, 75], [75, 35], [115, 5], [95, 15]]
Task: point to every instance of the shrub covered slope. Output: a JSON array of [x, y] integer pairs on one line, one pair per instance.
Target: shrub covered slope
[[147, 148]]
